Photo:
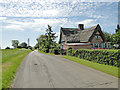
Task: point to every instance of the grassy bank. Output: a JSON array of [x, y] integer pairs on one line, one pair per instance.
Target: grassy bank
[[11, 60], [104, 68]]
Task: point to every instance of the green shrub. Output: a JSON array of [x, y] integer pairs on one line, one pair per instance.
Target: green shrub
[[46, 50], [55, 51], [107, 57], [69, 51], [7, 48], [40, 48]]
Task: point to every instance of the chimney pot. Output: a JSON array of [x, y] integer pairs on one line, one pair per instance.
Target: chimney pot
[[81, 26]]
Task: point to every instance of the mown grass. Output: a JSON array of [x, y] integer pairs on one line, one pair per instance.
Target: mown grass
[[11, 60], [112, 70]]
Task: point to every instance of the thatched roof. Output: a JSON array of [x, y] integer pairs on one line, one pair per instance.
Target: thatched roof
[[75, 35]]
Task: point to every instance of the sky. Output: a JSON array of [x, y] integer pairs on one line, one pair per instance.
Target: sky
[[23, 19]]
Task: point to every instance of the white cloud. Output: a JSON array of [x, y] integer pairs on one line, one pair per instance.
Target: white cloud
[[99, 0], [32, 24], [56, 1], [50, 13], [42, 23], [47, 8], [13, 27], [88, 22], [3, 18]]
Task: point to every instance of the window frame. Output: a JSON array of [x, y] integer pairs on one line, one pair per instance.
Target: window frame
[[97, 36]]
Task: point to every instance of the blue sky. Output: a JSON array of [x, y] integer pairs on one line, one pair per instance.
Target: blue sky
[[23, 19]]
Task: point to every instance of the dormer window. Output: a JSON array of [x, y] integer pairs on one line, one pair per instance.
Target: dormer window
[[97, 36]]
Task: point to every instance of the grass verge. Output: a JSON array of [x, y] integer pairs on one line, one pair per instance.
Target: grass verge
[[104, 68], [0, 70], [11, 64]]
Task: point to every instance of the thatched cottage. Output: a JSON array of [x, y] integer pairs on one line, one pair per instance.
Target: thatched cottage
[[78, 38]]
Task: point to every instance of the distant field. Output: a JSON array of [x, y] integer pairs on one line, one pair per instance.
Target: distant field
[[11, 60]]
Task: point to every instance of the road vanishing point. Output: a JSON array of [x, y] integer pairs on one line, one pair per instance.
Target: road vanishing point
[[39, 70]]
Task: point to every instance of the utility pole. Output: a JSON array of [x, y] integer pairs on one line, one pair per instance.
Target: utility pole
[[28, 41]]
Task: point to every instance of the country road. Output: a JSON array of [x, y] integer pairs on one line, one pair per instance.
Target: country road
[[39, 70]]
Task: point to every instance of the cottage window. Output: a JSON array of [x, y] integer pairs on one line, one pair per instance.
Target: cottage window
[[62, 46], [97, 37], [102, 45], [109, 45], [95, 45]]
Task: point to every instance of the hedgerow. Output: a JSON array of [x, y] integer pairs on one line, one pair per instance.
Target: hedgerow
[[107, 57], [54, 51]]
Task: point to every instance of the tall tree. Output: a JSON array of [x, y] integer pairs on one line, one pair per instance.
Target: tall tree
[[108, 36], [47, 40], [15, 43], [116, 36], [118, 28], [50, 37]]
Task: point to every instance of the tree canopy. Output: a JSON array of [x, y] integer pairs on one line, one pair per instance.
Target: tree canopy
[[116, 37], [46, 41], [15, 43], [108, 36], [23, 45]]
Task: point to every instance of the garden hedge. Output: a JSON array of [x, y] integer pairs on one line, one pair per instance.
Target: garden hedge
[[107, 57], [54, 51]]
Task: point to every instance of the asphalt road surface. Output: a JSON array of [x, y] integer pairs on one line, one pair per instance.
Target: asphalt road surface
[[47, 71]]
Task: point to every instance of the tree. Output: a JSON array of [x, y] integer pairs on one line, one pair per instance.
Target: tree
[[116, 37], [118, 28], [15, 43], [19, 46], [50, 37], [23, 45], [7, 47], [36, 46], [108, 36], [46, 41], [41, 41]]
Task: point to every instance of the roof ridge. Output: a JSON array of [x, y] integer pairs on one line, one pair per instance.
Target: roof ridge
[[92, 27], [84, 29], [69, 28]]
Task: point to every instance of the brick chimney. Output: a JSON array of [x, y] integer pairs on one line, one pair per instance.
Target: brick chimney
[[81, 26]]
